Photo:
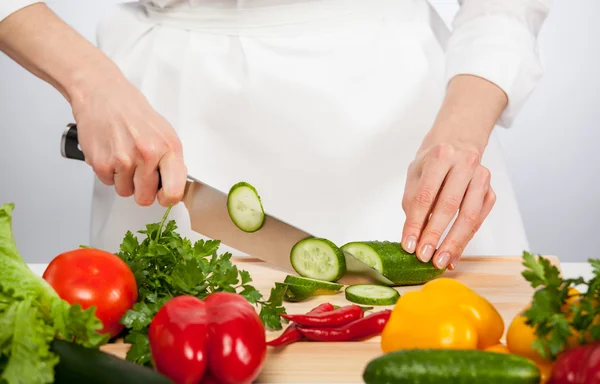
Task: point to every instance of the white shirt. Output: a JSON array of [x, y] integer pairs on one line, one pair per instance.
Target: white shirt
[[492, 39]]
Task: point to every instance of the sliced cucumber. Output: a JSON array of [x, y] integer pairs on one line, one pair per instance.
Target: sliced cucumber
[[296, 292], [319, 259], [245, 207], [308, 282], [393, 262], [371, 294]]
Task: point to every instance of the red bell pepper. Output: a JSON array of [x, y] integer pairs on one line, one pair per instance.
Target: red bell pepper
[[221, 336], [580, 365]]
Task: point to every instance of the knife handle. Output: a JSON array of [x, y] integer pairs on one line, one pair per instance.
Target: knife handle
[[69, 147]]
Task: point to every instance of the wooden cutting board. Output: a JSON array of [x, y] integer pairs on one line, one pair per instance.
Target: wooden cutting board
[[498, 279]]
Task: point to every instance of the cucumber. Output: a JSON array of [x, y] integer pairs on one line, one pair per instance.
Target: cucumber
[[308, 282], [92, 366], [393, 262], [319, 259], [301, 288], [371, 294], [450, 366], [245, 207]]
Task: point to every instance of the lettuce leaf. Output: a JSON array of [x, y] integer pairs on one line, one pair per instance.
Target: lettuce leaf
[[32, 315]]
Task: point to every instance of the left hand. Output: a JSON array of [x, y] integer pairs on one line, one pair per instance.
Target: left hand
[[447, 177], [443, 179]]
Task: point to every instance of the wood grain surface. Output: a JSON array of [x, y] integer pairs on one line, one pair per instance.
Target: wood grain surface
[[498, 279]]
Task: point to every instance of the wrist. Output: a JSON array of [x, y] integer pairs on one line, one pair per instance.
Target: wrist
[[470, 110], [89, 77]]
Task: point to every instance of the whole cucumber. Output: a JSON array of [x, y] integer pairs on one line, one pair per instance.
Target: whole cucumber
[[450, 366], [93, 366], [392, 261]]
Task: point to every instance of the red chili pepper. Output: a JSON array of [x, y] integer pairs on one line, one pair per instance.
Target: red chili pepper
[[291, 334], [368, 326], [340, 316], [221, 335]]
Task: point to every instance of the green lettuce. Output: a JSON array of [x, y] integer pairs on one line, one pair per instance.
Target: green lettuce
[[32, 315]]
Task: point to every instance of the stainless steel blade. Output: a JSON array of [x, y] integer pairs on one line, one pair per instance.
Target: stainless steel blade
[[272, 243]]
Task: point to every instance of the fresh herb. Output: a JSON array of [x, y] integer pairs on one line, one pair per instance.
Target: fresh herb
[[32, 315], [166, 265], [556, 313]]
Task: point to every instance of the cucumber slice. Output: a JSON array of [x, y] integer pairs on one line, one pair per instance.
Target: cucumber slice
[[319, 259], [371, 294], [308, 282], [297, 292], [393, 262], [245, 207]]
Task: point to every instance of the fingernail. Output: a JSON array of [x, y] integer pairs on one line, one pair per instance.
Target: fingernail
[[442, 260], [453, 263], [426, 253], [411, 244]]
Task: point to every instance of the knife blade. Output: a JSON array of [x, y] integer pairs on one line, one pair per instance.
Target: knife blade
[[207, 207]]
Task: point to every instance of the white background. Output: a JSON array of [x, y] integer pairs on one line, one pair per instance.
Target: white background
[[552, 151]]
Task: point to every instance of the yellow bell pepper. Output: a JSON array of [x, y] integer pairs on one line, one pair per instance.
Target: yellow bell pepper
[[445, 313], [480, 312], [420, 320]]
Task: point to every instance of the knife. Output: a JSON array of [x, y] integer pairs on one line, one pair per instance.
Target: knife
[[207, 207]]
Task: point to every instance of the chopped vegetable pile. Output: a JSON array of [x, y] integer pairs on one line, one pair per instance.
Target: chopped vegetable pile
[[32, 315], [167, 265]]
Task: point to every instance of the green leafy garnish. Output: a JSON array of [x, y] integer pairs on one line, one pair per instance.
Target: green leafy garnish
[[553, 320], [166, 265], [32, 315]]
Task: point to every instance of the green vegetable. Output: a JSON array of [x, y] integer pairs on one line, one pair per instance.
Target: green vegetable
[[32, 315], [245, 208], [166, 265], [313, 283], [371, 294], [450, 366], [318, 259], [553, 325], [92, 366], [393, 262]]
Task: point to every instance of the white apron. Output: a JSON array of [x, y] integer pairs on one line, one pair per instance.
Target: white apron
[[321, 105]]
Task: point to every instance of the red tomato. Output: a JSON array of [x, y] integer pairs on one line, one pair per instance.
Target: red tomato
[[92, 277]]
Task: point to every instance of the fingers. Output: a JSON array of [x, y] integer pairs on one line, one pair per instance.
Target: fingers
[[123, 175], [448, 203], [419, 206], [488, 204], [477, 204], [174, 175]]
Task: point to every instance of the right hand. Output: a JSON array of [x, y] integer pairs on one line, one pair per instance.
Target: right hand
[[127, 142]]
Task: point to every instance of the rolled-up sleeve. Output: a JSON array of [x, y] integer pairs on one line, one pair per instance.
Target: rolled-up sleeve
[[497, 40], [8, 7]]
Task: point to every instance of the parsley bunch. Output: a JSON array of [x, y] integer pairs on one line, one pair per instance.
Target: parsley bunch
[[556, 313], [166, 265]]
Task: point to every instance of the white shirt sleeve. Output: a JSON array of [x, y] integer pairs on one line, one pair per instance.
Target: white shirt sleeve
[[497, 40], [8, 7]]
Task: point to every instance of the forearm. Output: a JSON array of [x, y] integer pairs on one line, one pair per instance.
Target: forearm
[[470, 110], [42, 43]]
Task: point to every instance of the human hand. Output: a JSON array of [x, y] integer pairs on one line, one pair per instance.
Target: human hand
[[447, 177], [127, 142]]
